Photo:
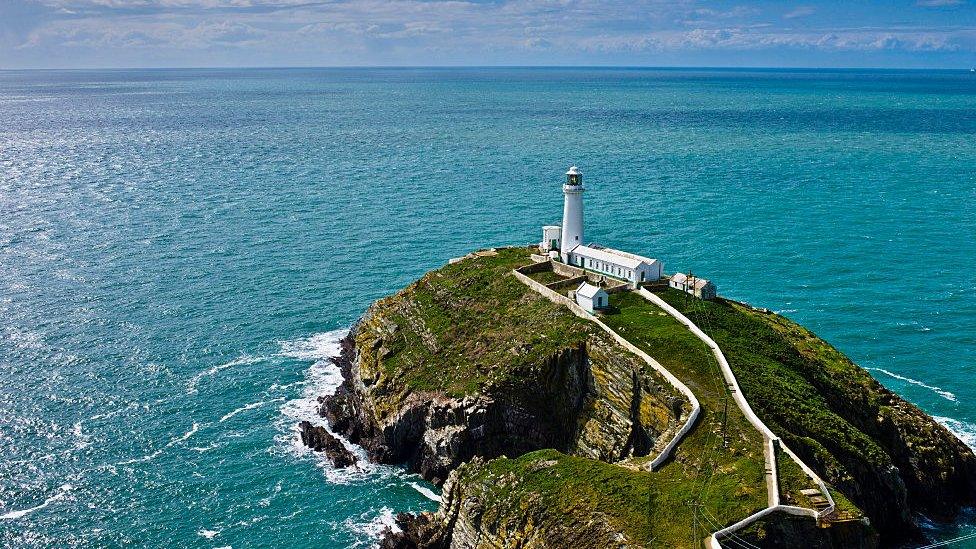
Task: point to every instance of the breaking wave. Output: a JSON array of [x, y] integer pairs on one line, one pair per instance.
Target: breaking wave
[[367, 530], [964, 430], [247, 407], [192, 386], [61, 493], [426, 492], [322, 378], [937, 390]]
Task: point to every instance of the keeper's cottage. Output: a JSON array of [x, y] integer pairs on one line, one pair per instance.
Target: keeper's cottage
[[566, 242]]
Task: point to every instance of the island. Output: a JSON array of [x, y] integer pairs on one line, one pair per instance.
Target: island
[[566, 394]]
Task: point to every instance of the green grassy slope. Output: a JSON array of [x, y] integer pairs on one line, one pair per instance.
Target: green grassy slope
[[478, 325]]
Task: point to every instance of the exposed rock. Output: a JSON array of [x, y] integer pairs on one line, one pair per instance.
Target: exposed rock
[[782, 530], [417, 390], [620, 412], [420, 531], [319, 439]]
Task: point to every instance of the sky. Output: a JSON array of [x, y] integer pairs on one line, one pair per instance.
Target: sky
[[250, 33]]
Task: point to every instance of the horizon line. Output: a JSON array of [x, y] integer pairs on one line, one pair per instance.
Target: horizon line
[[429, 67]]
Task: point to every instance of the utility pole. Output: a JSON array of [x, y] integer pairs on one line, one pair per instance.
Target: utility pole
[[725, 417]]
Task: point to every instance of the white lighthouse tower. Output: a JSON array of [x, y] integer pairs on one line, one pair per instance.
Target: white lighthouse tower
[[572, 213]]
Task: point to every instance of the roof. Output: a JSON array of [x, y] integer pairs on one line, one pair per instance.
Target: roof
[[610, 255], [573, 170], [682, 278], [551, 227], [588, 291]]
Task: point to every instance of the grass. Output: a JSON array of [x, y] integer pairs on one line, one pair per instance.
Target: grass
[[570, 490], [546, 277], [473, 325], [792, 480], [469, 324], [726, 479], [787, 374], [651, 509]]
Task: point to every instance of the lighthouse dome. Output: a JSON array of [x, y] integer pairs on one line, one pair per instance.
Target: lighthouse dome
[[574, 176]]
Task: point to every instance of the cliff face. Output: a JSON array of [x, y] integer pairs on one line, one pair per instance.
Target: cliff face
[[582, 395], [467, 366]]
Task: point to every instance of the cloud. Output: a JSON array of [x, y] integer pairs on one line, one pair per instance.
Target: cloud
[[801, 11], [435, 31], [938, 3]]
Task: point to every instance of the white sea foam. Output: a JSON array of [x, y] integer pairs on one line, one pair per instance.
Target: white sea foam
[[193, 430], [61, 493], [322, 378], [964, 430], [192, 386], [207, 534], [368, 530], [318, 347], [149, 457], [247, 407], [427, 492], [83, 440], [937, 390]]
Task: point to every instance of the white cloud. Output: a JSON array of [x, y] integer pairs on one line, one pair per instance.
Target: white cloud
[[801, 11], [939, 3], [429, 31]]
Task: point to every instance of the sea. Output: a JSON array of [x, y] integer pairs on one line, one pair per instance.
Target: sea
[[181, 251]]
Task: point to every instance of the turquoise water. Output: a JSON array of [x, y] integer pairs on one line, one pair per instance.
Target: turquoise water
[[180, 251]]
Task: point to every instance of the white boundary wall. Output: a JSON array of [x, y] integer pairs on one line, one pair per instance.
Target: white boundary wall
[[560, 299], [769, 450]]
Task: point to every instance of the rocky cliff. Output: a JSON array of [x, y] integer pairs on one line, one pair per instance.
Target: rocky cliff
[[427, 396], [539, 426]]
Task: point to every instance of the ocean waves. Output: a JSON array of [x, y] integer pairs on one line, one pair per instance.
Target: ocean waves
[[965, 430], [937, 390]]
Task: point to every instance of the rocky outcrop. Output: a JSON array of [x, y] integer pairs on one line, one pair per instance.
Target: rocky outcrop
[[471, 515], [421, 531], [319, 439], [885, 454], [535, 422], [590, 400]]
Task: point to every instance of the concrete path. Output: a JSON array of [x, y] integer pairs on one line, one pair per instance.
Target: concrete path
[[689, 423], [770, 440]]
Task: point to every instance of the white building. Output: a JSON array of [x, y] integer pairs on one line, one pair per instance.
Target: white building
[[572, 234], [591, 297], [568, 240], [616, 264], [552, 235], [698, 287]]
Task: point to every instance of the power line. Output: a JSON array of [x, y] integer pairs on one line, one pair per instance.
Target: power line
[[948, 541]]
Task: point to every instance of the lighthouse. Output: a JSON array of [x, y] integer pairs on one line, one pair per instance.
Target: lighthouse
[[572, 213]]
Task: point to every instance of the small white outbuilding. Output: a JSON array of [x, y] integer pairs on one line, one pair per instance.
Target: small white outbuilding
[[551, 238], [591, 298], [698, 287]]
